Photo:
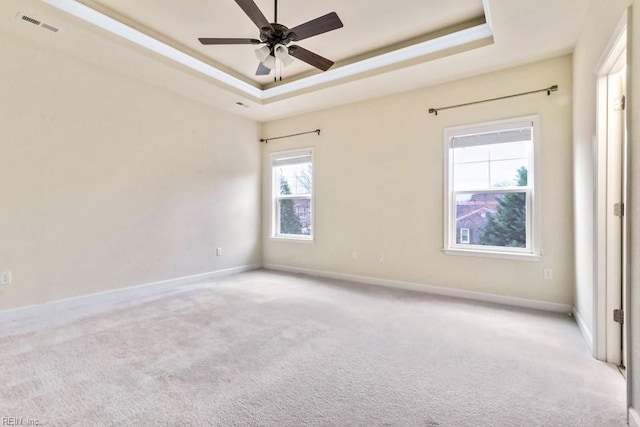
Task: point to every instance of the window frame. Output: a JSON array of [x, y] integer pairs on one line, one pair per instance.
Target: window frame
[[533, 251], [276, 197]]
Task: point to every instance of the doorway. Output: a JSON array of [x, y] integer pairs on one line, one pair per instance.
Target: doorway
[[611, 185]]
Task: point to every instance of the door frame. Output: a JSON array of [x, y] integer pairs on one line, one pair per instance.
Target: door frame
[[602, 307]]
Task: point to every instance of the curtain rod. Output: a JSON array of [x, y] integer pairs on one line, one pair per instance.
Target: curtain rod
[[289, 136], [549, 89]]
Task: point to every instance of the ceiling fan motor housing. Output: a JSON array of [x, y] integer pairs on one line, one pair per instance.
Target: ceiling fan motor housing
[[279, 35]]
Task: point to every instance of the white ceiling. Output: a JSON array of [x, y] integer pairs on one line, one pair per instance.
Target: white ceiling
[[370, 53]]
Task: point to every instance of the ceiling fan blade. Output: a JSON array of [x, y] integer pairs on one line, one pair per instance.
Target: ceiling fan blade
[[254, 13], [323, 24], [310, 58], [228, 41], [263, 70]]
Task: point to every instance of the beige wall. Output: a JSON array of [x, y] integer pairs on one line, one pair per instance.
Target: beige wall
[[379, 185], [106, 182], [598, 30]]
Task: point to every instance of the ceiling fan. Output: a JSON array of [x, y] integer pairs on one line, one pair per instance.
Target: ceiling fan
[[276, 38]]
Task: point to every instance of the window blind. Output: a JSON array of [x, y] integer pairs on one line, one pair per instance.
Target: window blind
[[292, 158], [512, 135]]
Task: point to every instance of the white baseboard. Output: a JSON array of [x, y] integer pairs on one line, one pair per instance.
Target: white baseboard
[[586, 333], [438, 290], [68, 308], [634, 418]]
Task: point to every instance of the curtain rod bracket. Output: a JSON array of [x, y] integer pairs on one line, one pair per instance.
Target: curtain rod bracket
[[549, 90], [266, 140]]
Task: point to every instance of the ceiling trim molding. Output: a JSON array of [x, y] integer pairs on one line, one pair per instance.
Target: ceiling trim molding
[[126, 32], [425, 49], [409, 53], [487, 14]]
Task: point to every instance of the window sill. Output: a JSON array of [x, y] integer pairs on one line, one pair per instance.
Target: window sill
[[491, 254], [308, 240]]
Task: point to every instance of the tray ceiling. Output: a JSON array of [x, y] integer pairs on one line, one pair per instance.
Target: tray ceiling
[[384, 47], [369, 27]]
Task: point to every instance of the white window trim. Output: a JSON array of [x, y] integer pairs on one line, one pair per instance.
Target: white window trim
[[273, 233], [534, 252]]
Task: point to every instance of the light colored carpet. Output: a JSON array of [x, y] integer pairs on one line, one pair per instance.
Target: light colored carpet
[[269, 349]]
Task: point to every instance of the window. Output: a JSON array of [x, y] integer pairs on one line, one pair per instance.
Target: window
[[489, 190], [292, 189]]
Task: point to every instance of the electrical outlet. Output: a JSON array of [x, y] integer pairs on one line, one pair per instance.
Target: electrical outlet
[[354, 255], [548, 274], [218, 251], [5, 278], [381, 257]]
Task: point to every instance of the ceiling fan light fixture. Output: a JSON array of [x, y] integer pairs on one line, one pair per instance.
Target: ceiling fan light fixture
[[282, 54], [270, 62], [288, 60], [262, 53]]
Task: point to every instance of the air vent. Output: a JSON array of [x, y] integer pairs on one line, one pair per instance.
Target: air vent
[[40, 24], [28, 19]]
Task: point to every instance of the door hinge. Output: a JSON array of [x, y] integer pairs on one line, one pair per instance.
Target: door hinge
[[619, 104], [618, 209], [618, 316]]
